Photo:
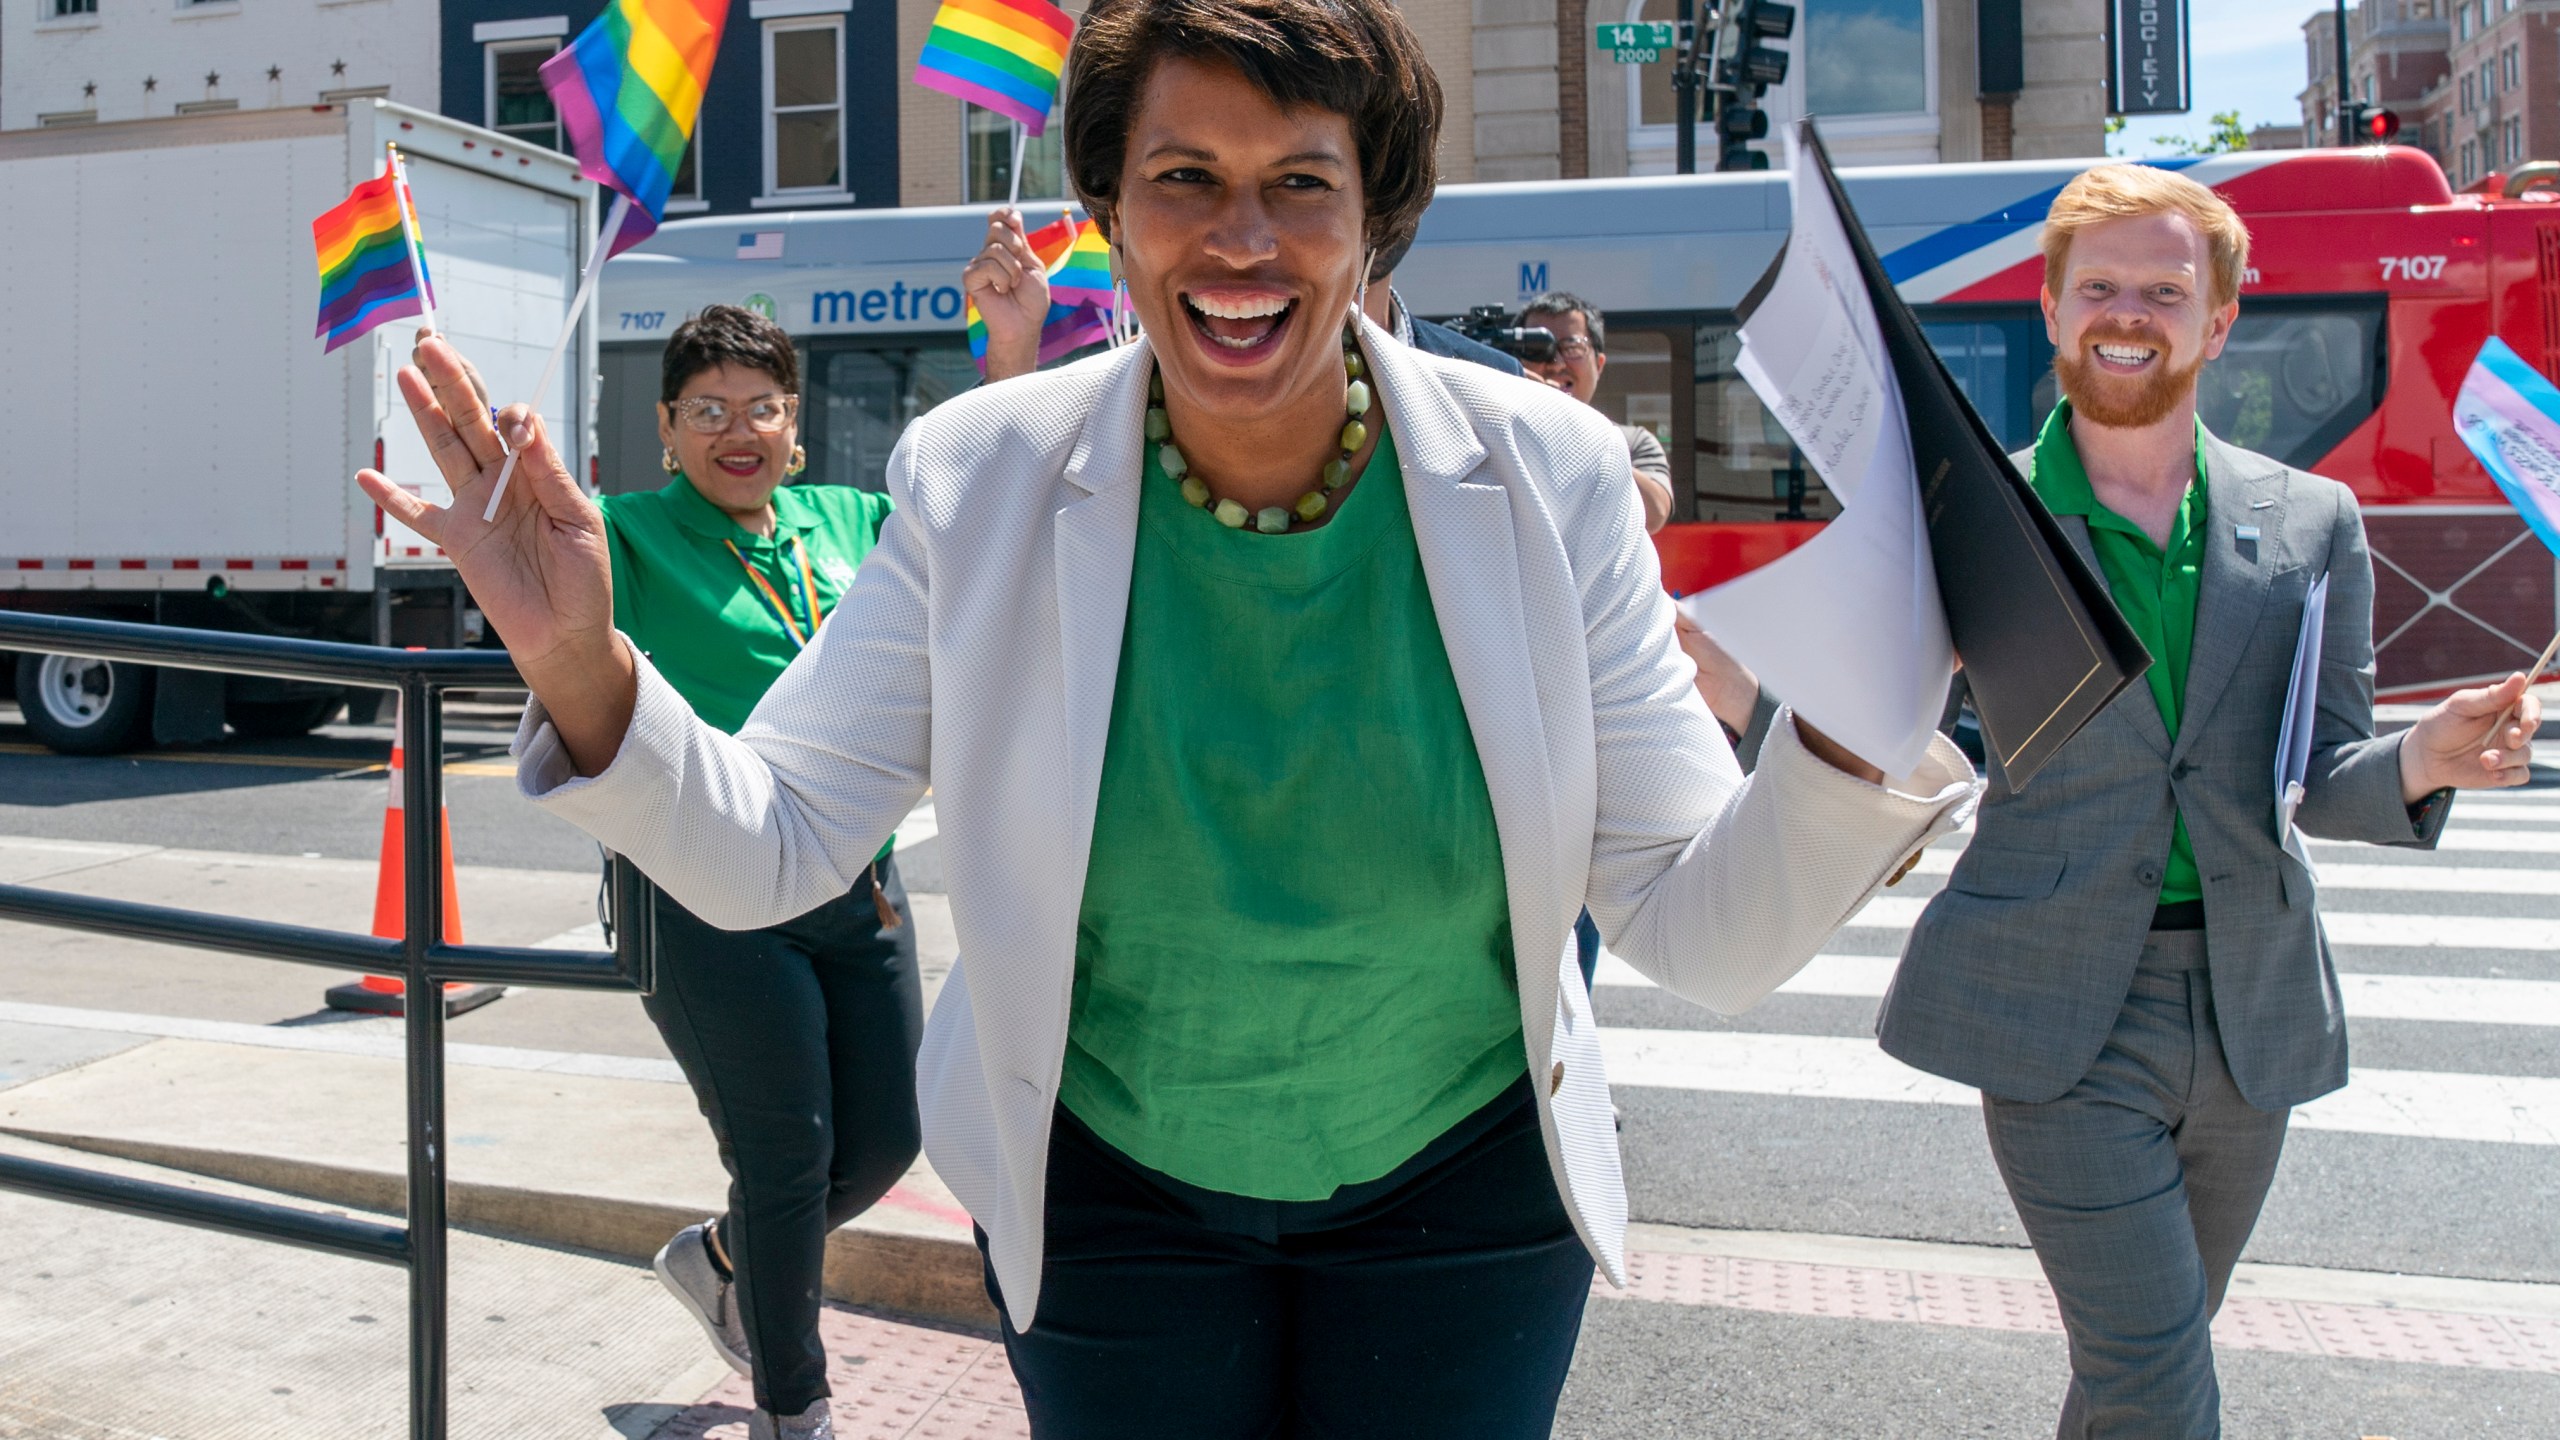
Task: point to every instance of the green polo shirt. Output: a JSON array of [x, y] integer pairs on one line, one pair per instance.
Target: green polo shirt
[[687, 601], [1293, 958], [2154, 587]]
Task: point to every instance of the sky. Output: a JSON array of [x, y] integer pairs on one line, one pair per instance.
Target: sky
[[2248, 57]]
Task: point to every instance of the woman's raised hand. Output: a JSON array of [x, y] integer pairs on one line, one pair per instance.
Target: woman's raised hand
[[540, 570], [1011, 290]]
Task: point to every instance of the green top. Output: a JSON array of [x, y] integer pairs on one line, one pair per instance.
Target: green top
[[1293, 964], [684, 598], [2155, 588]]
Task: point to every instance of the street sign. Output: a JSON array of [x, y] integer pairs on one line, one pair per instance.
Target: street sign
[[1640, 43], [2147, 73]]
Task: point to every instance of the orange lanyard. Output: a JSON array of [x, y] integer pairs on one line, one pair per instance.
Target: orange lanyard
[[773, 598]]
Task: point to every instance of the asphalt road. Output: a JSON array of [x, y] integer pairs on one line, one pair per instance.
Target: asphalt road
[[2344, 1200]]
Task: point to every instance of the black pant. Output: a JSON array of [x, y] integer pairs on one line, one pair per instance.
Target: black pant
[[800, 1040], [1441, 1300]]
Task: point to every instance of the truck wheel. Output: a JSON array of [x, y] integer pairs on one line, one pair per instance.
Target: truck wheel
[[280, 719], [82, 706]]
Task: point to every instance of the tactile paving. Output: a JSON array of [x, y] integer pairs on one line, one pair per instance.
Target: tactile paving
[[891, 1381], [1980, 1302]]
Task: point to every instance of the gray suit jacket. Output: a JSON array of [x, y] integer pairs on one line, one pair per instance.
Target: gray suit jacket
[[2016, 970]]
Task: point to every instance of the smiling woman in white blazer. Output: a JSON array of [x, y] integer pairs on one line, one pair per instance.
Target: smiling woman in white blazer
[[995, 624]]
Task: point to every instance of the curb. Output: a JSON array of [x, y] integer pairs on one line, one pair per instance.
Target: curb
[[925, 1276]]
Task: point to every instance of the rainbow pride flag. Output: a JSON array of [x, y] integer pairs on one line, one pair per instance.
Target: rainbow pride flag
[[369, 272], [628, 90], [1077, 261], [1068, 328], [1082, 272], [1006, 55]]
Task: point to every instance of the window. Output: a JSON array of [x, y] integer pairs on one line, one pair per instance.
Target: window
[[68, 117], [2466, 94], [804, 107], [686, 192], [206, 107], [861, 398], [2515, 74], [2515, 140], [1864, 57], [63, 9], [517, 103], [987, 153]]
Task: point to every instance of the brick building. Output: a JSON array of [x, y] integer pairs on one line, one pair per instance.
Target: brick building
[[2476, 83]]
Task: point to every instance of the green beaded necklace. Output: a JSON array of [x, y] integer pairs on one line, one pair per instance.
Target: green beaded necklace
[[1271, 519]]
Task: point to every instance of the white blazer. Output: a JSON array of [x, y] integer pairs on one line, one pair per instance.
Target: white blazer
[[976, 654]]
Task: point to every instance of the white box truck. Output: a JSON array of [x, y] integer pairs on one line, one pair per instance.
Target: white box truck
[[190, 452]]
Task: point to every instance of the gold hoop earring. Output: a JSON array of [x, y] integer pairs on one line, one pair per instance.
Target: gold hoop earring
[[667, 461], [799, 460]]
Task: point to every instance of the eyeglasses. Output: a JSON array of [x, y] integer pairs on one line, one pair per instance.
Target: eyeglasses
[[1574, 347], [704, 415]]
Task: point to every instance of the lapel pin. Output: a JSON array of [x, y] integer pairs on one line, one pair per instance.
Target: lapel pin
[[2248, 534], [2262, 504]]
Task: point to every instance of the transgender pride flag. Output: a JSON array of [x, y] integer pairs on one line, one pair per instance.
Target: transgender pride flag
[[2510, 417]]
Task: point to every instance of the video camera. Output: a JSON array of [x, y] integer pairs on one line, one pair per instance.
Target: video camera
[[1491, 325]]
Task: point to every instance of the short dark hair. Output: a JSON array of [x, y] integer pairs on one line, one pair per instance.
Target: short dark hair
[[1356, 58], [727, 335], [1565, 302]]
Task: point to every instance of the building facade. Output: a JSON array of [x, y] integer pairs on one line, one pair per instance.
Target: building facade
[[76, 62], [1529, 95], [801, 112], [2476, 83]]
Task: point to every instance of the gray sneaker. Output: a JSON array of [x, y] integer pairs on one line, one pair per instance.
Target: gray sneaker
[[684, 1266], [814, 1423]]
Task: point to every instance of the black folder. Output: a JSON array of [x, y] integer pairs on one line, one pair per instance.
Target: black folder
[[2043, 645]]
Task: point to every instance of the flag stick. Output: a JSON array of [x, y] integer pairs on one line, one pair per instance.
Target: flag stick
[[417, 242], [1021, 138], [568, 327]]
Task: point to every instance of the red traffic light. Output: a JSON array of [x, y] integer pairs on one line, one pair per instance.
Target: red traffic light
[[2381, 127]]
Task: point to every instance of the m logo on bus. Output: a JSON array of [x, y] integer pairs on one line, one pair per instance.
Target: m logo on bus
[[1533, 278]]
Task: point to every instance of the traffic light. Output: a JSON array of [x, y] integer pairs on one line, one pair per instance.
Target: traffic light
[[2370, 124], [1757, 64], [1737, 125]]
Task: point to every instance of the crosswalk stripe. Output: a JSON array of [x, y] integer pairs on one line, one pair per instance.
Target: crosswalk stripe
[[2341, 875], [2467, 839], [2456, 999], [2502, 1109], [2349, 927]]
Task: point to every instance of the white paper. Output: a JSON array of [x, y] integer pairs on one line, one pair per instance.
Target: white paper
[[1847, 628], [2301, 707]]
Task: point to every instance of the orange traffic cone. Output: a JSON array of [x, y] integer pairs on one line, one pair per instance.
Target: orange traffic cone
[[382, 994]]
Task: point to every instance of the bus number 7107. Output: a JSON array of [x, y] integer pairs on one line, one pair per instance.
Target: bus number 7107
[[2412, 267]]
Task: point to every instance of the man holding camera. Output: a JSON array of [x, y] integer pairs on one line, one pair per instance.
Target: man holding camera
[[1581, 352]]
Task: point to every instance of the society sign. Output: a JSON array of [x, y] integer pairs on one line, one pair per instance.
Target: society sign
[[2147, 69]]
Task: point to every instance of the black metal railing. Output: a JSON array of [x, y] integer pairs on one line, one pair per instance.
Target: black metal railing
[[421, 960]]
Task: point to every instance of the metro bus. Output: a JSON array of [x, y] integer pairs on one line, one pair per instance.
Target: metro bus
[[2372, 285]]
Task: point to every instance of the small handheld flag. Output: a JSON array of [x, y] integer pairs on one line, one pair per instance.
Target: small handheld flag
[[1006, 55], [2510, 417], [629, 89], [371, 270], [1083, 304], [1082, 272]]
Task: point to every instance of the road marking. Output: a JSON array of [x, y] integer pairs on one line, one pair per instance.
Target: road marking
[[376, 1039], [2349, 927], [2458, 999], [2419, 1104]]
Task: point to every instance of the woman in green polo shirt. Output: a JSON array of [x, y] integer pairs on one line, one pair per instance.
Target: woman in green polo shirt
[[720, 578]]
